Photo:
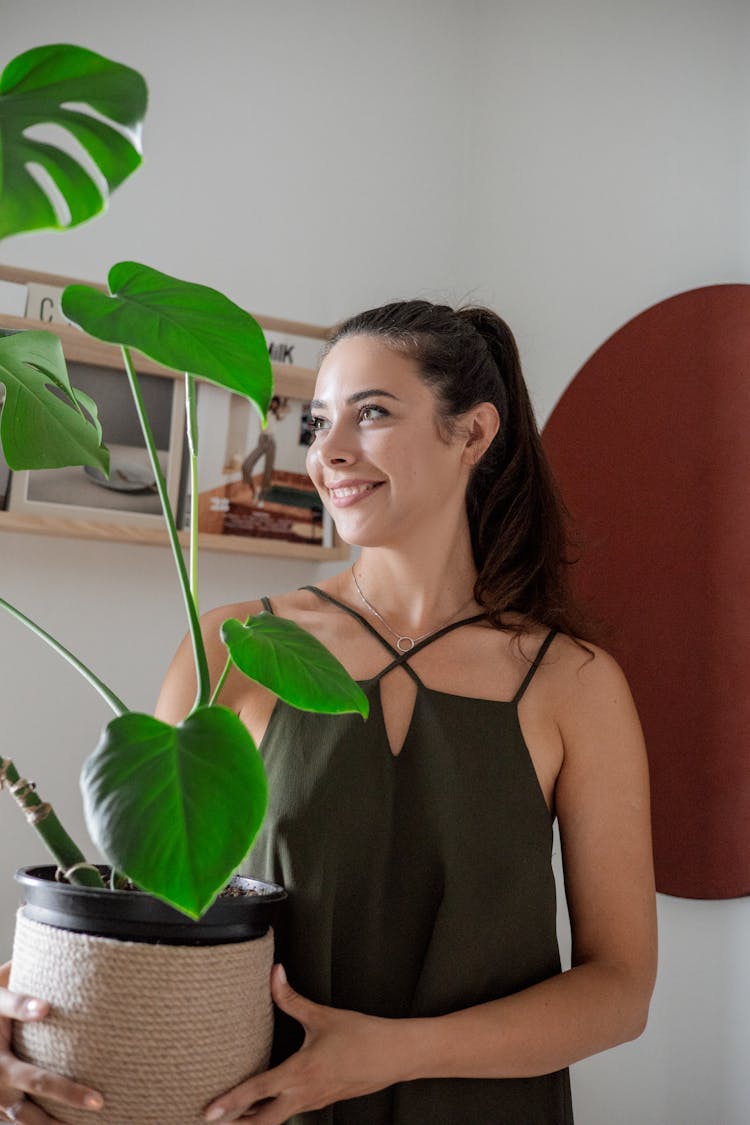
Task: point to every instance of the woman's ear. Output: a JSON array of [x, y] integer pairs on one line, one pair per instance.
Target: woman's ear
[[482, 424]]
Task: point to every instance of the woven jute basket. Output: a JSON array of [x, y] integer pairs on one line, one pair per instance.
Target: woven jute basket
[[159, 1030]]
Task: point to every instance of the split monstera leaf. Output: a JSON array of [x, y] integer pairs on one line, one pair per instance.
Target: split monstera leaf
[[174, 809], [98, 102]]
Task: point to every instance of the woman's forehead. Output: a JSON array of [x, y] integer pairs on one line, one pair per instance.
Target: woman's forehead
[[358, 363]]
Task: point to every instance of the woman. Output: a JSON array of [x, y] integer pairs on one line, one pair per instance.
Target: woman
[[420, 929]]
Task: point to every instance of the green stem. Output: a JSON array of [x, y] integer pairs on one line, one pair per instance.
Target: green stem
[[224, 674], [43, 819], [191, 399], [107, 694], [220, 684], [199, 651]]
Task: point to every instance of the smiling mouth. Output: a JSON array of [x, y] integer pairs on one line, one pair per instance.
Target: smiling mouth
[[353, 491]]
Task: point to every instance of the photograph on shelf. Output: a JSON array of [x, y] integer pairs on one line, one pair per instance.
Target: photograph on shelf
[[253, 482], [129, 495]]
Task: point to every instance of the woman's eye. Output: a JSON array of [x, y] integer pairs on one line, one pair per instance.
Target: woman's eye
[[370, 412], [316, 424]]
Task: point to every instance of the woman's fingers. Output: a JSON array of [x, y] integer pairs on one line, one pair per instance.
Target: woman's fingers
[[16, 1007], [291, 1002], [261, 1096], [18, 1078], [33, 1080], [249, 1098], [23, 1008], [31, 1114]]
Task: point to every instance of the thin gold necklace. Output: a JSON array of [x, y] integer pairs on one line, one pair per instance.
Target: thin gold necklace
[[404, 643]]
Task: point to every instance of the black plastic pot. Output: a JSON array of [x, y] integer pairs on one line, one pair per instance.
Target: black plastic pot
[[136, 916]]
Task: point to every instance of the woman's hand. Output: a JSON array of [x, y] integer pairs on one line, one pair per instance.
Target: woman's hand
[[17, 1078], [344, 1055]]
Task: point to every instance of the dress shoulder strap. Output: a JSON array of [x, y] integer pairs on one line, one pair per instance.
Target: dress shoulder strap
[[265, 602], [352, 613], [537, 661]]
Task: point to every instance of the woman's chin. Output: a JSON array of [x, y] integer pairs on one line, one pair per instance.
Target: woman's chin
[[354, 534]]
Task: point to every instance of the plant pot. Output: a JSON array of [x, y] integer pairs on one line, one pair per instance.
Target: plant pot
[[159, 1013]]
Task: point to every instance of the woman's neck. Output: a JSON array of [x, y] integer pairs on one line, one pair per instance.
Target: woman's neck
[[414, 594]]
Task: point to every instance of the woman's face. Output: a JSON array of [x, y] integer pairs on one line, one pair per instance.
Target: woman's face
[[383, 470]]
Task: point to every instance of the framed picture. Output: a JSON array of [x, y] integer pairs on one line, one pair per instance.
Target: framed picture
[[253, 482], [129, 496]]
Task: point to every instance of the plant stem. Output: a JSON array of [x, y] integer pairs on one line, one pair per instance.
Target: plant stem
[[191, 398], [199, 651], [107, 694], [224, 674], [222, 679], [43, 818]]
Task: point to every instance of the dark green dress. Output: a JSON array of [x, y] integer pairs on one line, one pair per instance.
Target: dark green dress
[[418, 884]]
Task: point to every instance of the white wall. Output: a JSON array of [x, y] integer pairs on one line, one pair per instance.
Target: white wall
[[333, 125], [568, 164]]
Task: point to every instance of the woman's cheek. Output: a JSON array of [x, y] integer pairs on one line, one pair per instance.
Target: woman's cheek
[[311, 464]]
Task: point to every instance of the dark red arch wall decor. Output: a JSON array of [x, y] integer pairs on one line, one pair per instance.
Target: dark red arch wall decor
[[651, 445]]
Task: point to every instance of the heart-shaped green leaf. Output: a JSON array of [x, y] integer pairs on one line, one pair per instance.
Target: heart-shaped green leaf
[[179, 324], [176, 809], [48, 85], [293, 664], [42, 424]]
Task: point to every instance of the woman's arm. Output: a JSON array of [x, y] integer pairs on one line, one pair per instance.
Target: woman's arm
[[177, 693], [602, 803]]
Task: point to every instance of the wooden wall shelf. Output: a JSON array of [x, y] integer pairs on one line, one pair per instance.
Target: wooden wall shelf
[[292, 381], [121, 533]]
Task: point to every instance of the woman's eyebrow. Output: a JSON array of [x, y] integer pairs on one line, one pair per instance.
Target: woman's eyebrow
[[319, 403]]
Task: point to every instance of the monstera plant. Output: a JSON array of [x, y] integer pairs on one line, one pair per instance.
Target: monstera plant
[[173, 809]]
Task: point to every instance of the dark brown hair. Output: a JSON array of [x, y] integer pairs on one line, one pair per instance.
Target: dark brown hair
[[516, 515]]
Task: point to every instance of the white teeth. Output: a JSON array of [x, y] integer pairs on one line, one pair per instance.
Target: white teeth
[[340, 493]]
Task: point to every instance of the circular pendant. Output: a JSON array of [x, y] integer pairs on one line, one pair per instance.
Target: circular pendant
[[404, 644]]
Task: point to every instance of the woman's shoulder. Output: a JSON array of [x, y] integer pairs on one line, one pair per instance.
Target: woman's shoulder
[[587, 687], [298, 605], [583, 663], [570, 667], [588, 664]]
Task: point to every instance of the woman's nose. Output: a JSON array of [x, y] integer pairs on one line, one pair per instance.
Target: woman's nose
[[334, 446]]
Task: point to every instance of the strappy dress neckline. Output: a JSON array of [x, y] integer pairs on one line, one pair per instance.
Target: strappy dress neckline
[[401, 659]]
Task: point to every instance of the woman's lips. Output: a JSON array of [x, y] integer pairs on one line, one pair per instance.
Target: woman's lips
[[351, 492]]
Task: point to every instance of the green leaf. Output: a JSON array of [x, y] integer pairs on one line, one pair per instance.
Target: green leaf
[[42, 423], [293, 664], [176, 809], [179, 324], [41, 87]]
